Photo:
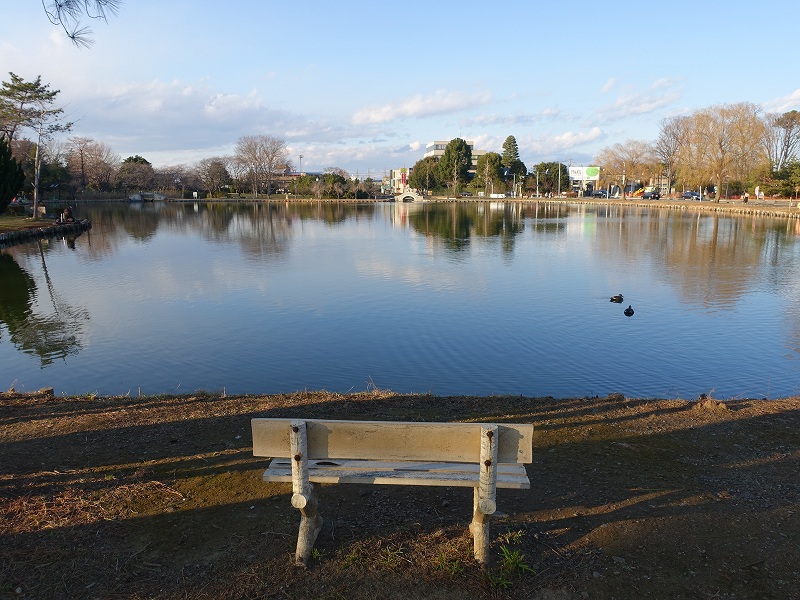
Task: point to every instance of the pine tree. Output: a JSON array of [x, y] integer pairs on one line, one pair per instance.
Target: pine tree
[[510, 152], [11, 175]]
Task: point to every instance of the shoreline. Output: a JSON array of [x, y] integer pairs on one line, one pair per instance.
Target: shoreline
[[49, 393], [769, 207], [31, 233], [15, 230]]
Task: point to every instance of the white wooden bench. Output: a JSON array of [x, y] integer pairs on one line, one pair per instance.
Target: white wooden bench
[[477, 455]]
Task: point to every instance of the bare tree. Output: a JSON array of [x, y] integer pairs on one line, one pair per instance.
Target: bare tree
[[338, 171], [628, 161], [260, 156], [781, 138], [91, 164], [70, 13], [722, 142], [668, 145], [213, 173], [174, 178]]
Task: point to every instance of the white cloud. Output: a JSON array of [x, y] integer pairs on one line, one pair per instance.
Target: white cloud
[[660, 94], [608, 85], [161, 117], [553, 146], [222, 106], [568, 139], [510, 120], [783, 104], [441, 102]]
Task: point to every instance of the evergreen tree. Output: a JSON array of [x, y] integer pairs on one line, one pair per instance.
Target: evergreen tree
[[488, 173], [510, 152], [29, 104], [25, 104], [425, 174], [11, 175], [455, 163], [69, 14]]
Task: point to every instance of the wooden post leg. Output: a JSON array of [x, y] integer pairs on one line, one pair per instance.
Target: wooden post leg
[[484, 503], [480, 531], [304, 496], [310, 525]]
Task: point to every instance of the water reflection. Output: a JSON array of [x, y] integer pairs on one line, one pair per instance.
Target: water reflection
[[455, 223], [50, 334], [298, 295], [705, 258]]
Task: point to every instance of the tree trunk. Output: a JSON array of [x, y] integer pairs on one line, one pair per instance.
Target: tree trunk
[[36, 168]]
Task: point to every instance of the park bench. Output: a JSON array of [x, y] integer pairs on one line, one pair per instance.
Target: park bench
[[483, 456]]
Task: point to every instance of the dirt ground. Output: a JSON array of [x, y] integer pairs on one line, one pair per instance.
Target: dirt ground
[[630, 499]]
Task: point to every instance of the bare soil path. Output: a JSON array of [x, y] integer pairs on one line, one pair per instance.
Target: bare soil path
[[631, 499]]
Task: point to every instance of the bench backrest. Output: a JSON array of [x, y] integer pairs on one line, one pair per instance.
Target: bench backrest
[[392, 440]]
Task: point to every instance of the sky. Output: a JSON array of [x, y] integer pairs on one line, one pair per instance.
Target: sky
[[364, 86]]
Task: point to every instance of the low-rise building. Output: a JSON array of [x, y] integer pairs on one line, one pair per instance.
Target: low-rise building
[[437, 149]]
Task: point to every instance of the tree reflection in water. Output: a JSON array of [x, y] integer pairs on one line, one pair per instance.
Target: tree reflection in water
[[49, 336]]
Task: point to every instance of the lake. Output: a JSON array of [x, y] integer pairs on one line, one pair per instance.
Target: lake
[[472, 298]]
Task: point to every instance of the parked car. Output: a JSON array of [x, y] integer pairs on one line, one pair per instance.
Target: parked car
[[690, 195], [466, 194], [653, 195], [599, 194]]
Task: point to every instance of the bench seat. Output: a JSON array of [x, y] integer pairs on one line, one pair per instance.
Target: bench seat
[[399, 473]]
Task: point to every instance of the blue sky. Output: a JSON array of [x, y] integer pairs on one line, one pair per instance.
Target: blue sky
[[365, 85]]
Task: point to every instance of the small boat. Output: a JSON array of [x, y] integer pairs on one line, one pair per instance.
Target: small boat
[[617, 298], [147, 197]]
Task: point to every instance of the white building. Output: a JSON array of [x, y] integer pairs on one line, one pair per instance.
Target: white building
[[398, 180], [437, 149]]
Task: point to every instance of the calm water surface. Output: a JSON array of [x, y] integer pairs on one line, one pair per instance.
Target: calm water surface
[[475, 298]]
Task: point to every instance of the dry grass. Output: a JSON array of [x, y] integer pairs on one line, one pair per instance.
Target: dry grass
[[162, 498]]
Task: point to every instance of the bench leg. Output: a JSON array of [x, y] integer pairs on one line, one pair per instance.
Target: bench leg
[[310, 525], [484, 503], [479, 528]]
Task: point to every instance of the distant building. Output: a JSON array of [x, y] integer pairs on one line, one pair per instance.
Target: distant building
[[437, 149], [398, 180]]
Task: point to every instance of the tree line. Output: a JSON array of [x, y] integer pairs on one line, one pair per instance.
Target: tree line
[[727, 149], [33, 163], [722, 150], [455, 172]]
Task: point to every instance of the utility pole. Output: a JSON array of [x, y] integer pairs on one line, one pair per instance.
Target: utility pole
[[559, 179], [299, 175]]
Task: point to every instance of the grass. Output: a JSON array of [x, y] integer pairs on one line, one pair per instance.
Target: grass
[[450, 566], [513, 562], [391, 557], [17, 222]]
